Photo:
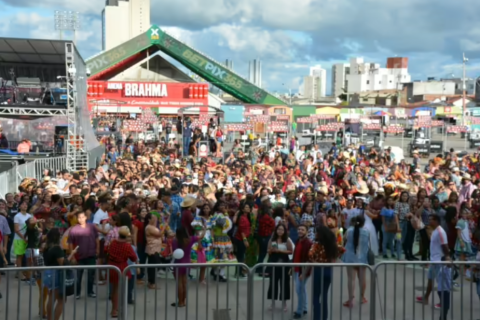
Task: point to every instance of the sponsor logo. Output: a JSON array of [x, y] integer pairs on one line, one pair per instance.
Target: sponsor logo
[[154, 34], [114, 86], [146, 90]]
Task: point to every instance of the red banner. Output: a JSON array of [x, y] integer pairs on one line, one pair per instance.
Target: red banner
[[306, 120], [259, 118], [473, 120], [239, 127], [372, 126], [422, 124], [134, 125], [457, 129], [438, 123], [283, 117], [394, 129], [323, 116], [328, 128]]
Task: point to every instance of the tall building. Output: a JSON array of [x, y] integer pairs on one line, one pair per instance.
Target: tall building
[[123, 20], [255, 72], [371, 77], [312, 88], [339, 78], [229, 64], [318, 72]]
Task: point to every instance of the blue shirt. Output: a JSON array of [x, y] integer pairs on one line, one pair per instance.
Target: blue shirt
[[129, 262], [177, 199], [175, 216]]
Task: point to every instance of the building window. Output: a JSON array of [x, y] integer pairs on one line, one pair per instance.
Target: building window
[[279, 111], [379, 82], [368, 81], [390, 81], [365, 100]]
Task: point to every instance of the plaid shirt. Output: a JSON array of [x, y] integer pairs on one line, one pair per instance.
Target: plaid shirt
[[266, 225]]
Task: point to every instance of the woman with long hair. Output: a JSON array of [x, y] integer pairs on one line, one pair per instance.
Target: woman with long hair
[[153, 246], [324, 250], [402, 211], [356, 251], [54, 256], [202, 250], [279, 249], [184, 242]]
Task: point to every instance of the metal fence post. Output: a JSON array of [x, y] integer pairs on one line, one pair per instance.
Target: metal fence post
[[250, 300]]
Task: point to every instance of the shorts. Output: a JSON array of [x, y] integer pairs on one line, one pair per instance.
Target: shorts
[[51, 279], [433, 271], [219, 139], [19, 247]]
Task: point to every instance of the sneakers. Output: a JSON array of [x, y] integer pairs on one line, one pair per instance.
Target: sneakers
[[421, 300], [92, 295], [297, 316], [438, 306]]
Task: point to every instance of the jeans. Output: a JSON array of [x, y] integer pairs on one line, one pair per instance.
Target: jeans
[[263, 247], [186, 145], [444, 303], [241, 249], [408, 239], [131, 283], [322, 278], [142, 258], [389, 238], [90, 274], [9, 248], [301, 290], [378, 229]]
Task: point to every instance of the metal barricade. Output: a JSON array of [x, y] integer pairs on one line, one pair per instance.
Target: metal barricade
[[209, 300], [4, 186], [403, 288], [285, 292], [54, 164], [29, 299]]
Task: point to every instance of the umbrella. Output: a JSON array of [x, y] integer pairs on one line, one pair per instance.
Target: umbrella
[[382, 113]]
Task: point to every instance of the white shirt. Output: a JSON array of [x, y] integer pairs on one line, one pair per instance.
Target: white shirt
[[61, 184], [99, 216], [439, 238], [20, 219]]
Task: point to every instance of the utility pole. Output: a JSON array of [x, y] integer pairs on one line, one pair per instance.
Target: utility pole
[[465, 60]]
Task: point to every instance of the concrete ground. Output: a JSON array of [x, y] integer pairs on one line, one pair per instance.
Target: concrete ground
[[395, 295]]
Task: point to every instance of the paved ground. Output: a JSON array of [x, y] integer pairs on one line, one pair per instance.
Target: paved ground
[[396, 289]]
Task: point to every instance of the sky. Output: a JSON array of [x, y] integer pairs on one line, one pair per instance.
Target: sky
[[288, 36]]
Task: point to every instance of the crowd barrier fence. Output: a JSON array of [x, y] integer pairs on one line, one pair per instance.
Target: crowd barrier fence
[[386, 291], [11, 179]]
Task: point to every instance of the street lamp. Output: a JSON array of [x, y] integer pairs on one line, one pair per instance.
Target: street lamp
[[67, 21], [465, 60]]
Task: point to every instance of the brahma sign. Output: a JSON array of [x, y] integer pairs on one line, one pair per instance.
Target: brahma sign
[[131, 97]]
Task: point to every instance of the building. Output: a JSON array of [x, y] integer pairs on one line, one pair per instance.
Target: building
[[255, 72], [229, 64], [318, 72], [339, 78], [469, 83], [371, 77], [312, 88], [123, 20]]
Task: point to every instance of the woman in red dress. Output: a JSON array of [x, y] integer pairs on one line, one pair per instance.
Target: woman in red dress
[[119, 252]]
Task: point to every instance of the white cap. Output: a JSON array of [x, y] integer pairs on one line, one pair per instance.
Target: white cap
[[455, 169]]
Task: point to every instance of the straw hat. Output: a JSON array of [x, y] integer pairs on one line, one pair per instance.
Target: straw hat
[[188, 201], [363, 188], [124, 231], [467, 176]]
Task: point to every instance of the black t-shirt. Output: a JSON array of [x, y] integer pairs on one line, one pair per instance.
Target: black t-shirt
[[51, 255], [33, 238], [12, 211], [196, 136]]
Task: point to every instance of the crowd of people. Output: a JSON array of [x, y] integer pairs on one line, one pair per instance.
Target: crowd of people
[[345, 205]]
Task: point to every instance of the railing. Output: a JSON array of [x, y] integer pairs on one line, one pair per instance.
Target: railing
[[333, 291], [11, 179]]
